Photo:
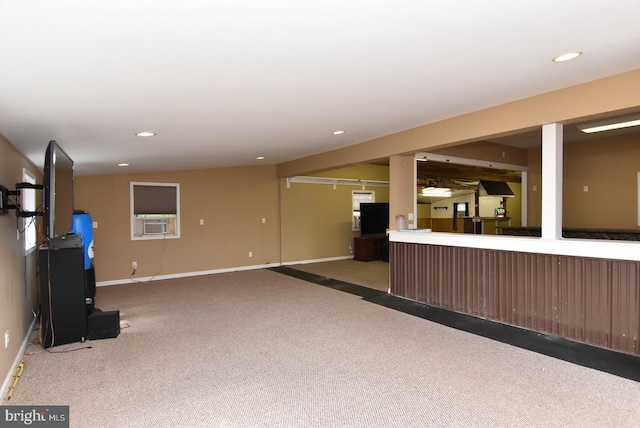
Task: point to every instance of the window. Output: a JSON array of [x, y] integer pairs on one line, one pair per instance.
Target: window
[[155, 210], [28, 203], [358, 197]]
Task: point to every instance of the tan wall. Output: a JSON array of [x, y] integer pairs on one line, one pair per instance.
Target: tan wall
[[534, 183], [485, 150], [17, 298], [231, 201], [424, 216], [402, 189], [424, 211], [609, 167], [358, 172], [316, 218]]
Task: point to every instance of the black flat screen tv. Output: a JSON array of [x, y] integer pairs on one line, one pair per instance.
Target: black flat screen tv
[[57, 192], [374, 218]]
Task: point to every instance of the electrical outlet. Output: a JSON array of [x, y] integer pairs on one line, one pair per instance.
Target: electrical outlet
[[6, 339], [250, 253], [134, 265]]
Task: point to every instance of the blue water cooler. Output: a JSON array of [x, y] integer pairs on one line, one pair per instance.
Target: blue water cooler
[[83, 225]]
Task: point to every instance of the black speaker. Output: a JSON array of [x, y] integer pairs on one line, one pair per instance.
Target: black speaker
[[104, 325], [63, 317]]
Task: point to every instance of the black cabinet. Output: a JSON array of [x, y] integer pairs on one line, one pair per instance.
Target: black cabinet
[[371, 247], [63, 313]]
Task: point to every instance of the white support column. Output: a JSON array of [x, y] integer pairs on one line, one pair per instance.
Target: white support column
[[552, 143]]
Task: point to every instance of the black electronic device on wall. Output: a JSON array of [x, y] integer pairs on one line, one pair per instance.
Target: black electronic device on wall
[[57, 192]]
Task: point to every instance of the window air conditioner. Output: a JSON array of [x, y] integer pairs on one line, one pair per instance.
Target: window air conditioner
[[155, 226]]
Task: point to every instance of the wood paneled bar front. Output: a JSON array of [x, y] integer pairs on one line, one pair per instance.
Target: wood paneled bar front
[[582, 290]]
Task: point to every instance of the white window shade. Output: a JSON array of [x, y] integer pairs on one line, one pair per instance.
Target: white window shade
[[154, 200], [361, 197]]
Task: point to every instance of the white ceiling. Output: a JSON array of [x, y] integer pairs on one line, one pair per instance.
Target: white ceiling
[[222, 82]]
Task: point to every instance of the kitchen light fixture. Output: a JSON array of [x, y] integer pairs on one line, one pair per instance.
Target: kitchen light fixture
[[442, 192], [590, 128], [338, 132], [260, 158], [123, 164], [146, 134], [567, 57]]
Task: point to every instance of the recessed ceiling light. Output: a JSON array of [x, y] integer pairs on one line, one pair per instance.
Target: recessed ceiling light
[[567, 56], [260, 158], [338, 132], [146, 134], [123, 164]]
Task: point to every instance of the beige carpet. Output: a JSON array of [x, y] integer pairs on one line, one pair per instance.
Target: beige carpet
[[261, 349], [373, 274]]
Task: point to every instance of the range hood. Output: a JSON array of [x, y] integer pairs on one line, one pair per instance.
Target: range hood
[[495, 188]]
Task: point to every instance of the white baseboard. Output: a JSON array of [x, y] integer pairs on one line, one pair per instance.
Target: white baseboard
[[213, 271], [16, 362]]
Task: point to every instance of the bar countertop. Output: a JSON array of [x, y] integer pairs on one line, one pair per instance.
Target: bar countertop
[[597, 248]]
